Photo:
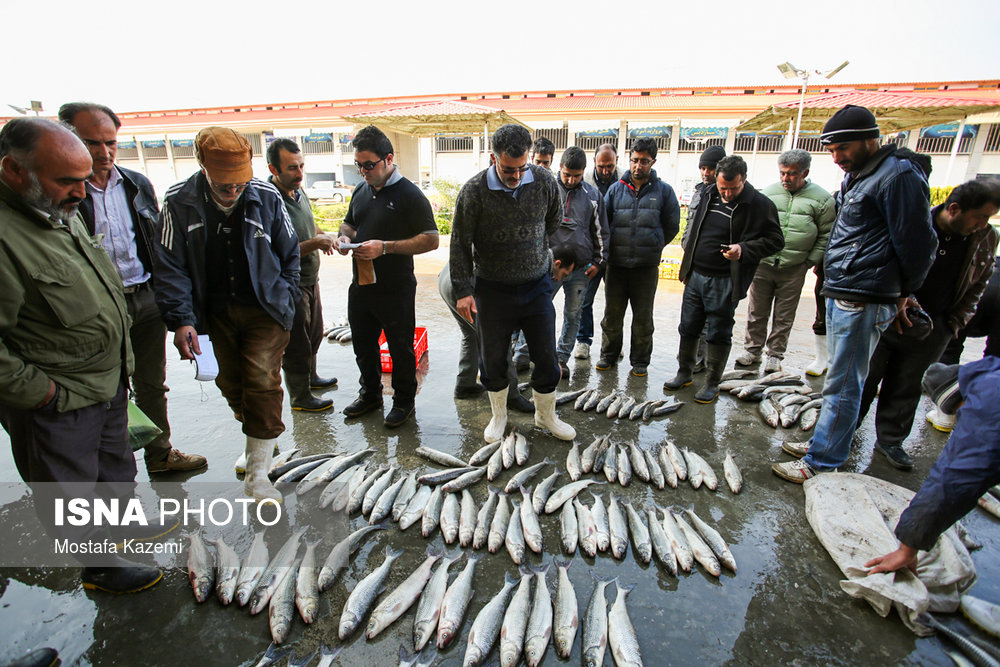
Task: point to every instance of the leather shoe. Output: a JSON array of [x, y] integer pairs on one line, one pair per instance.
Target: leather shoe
[[177, 462], [898, 458], [316, 382], [126, 577], [361, 406], [518, 403], [469, 392], [398, 415]]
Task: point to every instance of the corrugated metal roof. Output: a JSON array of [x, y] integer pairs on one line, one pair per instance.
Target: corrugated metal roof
[[884, 99]]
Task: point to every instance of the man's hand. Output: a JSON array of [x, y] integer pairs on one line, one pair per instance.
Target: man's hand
[[901, 305], [325, 243], [49, 395], [902, 557], [732, 252], [466, 306], [186, 342], [336, 244], [370, 249], [591, 272]]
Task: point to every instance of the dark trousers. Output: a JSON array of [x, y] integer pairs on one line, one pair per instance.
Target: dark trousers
[[248, 345], [370, 312], [307, 333], [708, 301], [898, 364], [629, 287], [148, 334], [819, 324], [505, 309], [585, 334], [986, 322]]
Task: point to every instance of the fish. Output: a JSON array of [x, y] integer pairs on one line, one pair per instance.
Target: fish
[[737, 374], [429, 606], [272, 655], [567, 611], [971, 650], [356, 480], [695, 475], [615, 406], [708, 476], [734, 384], [515, 622], [990, 504], [495, 464], [227, 570], [339, 555], [638, 460], [450, 510], [592, 401], [529, 522], [622, 639], [484, 518], [660, 541], [570, 396], [298, 472], [432, 512], [602, 534], [543, 491], [655, 471], [573, 467], [595, 625], [281, 609], [625, 409], [331, 470], [406, 492], [455, 602], [278, 460], [483, 454], [401, 598], [327, 655], [734, 478], [361, 598], [663, 410], [636, 412], [521, 449], [498, 526], [357, 499], [414, 511], [769, 412], [466, 519], [525, 475], [714, 540], [611, 464], [605, 403], [984, 614], [507, 453], [254, 565], [678, 543], [201, 572], [539, 629], [441, 458], [601, 454], [277, 472], [385, 502], [271, 576], [647, 412], [336, 486], [307, 586], [676, 460], [442, 476], [640, 533], [514, 538], [588, 454], [486, 626], [624, 466], [586, 528], [581, 400], [701, 551], [808, 418], [569, 532], [669, 472], [813, 403], [618, 528], [565, 493]]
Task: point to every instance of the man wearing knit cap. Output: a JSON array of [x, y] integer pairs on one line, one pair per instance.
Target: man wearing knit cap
[[880, 250], [228, 266]]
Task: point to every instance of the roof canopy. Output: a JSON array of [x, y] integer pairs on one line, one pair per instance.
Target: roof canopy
[[435, 118], [894, 111]]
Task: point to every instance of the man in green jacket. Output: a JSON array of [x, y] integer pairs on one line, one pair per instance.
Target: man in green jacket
[[805, 213], [65, 355]]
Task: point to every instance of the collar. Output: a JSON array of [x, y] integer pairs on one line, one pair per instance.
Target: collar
[[494, 183], [598, 179], [297, 193], [394, 177], [114, 180]]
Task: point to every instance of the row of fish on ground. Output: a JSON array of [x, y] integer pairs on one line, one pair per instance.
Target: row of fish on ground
[[617, 404], [783, 398]]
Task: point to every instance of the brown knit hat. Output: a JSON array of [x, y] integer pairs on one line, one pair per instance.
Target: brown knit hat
[[225, 155]]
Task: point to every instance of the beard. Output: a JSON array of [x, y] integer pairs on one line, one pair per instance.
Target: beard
[[35, 196]]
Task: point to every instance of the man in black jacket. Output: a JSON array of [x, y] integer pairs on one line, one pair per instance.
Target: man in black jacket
[[121, 209], [733, 229]]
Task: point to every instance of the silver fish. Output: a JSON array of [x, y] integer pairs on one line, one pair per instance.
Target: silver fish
[[317, 475], [401, 598], [278, 460], [655, 471], [495, 465], [565, 493], [600, 454], [737, 374], [595, 626], [678, 543], [581, 400], [588, 454], [661, 543], [566, 612], [253, 566], [521, 449], [734, 478], [640, 533], [441, 458], [714, 540], [272, 656], [603, 535], [543, 491], [769, 412], [647, 412], [338, 466], [498, 526], [529, 522], [299, 471], [618, 528], [442, 476], [624, 466], [573, 467], [484, 518], [483, 454], [539, 630], [695, 476], [586, 527], [429, 607], [569, 531], [990, 504], [361, 598], [638, 460], [384, 503], [708, 476], [327, 655], [676, 460], [486, 627], [636, 412], [450, 511], [611, 464], [281, 609], [358, 494], [593, 401], [201, 572], [507, 454], [514, 538], [808, 418], [455, 602], [615, 406], [626, 407], [702, 552], [523, 476], [605, 403], [669, 472], [414, 511], [307, 586], [336, 486], [466, 519], [515, 623], [227, 571], [570, 396], [406, 492], [356, 480], [277, 472], [432, 512], [271, 576], [340, 554], [621, 633], [984, 614]]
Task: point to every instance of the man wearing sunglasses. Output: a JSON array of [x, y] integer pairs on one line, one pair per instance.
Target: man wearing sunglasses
[[392, 221], [500, 270]]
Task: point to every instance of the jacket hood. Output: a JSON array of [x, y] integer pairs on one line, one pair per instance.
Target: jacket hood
[[626, 177]]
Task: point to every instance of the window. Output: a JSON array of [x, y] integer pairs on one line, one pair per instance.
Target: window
[[453, 144], [558, 136], [255, 142], [154, 150], [993, 139], [686, 146]]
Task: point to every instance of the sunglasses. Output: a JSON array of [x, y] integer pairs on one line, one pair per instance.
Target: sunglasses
[[367, 165]]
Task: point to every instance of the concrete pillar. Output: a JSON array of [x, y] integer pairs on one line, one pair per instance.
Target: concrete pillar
[[407, 152], [913, 138], [675, 148], [978, 148], [170, 156], [622, 153], [730, 141]]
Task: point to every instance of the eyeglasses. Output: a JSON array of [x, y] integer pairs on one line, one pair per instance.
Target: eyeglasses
[[510, 171], [644, 161], [230, 187], [367, 165]]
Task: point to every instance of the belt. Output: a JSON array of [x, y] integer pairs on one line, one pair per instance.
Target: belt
[[132, 289]]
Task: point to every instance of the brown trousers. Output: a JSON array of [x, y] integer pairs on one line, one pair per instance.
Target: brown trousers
[[782, 287]]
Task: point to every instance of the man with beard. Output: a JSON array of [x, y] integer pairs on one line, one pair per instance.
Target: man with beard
[[65, 355]]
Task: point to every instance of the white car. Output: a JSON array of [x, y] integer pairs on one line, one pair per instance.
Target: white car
[[328, 190]]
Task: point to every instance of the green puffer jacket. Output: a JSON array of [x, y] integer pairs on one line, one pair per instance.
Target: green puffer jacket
[[806, 218], [62, 312]]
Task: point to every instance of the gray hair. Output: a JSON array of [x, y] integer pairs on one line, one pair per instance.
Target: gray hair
[[795, 158], [20, 136]]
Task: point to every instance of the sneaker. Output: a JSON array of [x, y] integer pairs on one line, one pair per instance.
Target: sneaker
[[469, 392], [581, 350], [773, 365], [747, 359], [898, 458], [604, 364], [639, 370], [793, 471], [177, 462], [361, 406], [398, 415], [796, 449], [563, 370], [941, 420], [521, 365]]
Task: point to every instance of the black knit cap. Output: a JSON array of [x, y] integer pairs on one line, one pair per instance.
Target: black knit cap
[[711, 156], [852, 123]]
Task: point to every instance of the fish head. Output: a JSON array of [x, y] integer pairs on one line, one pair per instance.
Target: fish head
[[373, 628], [445, 634], [347, 624]]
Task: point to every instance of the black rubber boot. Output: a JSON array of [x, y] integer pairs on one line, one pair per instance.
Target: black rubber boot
[[686, 352], [316, 382], [517, 402], [125, 577], [300, 396], [715, 360], [40, 657]]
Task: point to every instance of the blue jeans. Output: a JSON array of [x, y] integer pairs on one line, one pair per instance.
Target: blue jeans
[[708, 300], [852, 332], [586, 332], [573, 286]]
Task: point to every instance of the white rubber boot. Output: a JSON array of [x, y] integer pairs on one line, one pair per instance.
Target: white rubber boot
[[818, 366], [241, 463], [498, 424], [256, 483], [545, 416]]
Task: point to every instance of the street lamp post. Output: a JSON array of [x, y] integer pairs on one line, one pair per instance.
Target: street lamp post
[[790, 71]]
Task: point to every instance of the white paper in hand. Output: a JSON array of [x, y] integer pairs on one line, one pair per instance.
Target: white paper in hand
[[206, 366]]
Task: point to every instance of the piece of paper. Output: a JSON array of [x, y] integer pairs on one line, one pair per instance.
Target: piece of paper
[[206, 366]]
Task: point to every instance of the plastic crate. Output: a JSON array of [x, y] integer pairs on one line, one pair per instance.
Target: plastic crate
[[419, 347]]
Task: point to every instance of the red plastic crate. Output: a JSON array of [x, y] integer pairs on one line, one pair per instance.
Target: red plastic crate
[[419, 347]]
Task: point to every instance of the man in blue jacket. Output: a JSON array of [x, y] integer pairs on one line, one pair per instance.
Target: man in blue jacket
[[643, 215], [880, 250]]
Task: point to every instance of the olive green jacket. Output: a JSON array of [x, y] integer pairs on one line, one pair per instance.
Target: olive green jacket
[[62, 311], [806, 218]]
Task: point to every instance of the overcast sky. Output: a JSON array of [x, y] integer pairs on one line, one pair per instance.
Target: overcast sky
[[192, 53]]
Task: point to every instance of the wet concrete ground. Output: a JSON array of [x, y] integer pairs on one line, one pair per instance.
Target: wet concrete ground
[[783, 607]]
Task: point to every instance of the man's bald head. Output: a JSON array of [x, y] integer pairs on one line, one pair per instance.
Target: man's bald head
[[605, 160]]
